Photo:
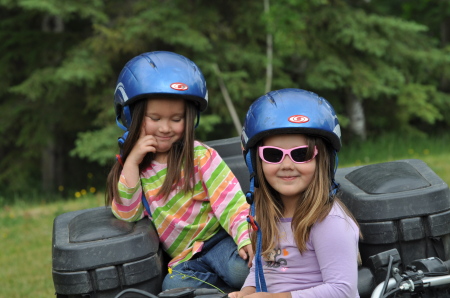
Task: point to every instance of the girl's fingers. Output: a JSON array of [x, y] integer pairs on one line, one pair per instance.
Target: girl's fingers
[[147, 143], [147, 140], [143, 146]]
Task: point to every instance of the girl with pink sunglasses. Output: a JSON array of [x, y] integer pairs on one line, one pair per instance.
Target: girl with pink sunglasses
[[306, 240]]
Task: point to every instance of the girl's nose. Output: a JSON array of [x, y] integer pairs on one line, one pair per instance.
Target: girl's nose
[[287, 162], [164, 127]]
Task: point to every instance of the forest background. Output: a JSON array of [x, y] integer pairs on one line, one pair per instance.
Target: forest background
[[384, 65]]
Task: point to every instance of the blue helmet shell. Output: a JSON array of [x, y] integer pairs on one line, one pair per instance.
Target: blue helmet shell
[[290, 111], [158, 74]]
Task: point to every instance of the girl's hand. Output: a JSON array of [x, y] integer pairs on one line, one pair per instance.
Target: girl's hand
[[234, 295], [145, 144], [243, 292], [246, 252]]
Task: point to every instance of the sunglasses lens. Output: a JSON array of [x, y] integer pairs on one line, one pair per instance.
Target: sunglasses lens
[[300, 155], [272, 155]]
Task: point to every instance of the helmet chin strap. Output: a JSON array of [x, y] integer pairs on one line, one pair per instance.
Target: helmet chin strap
[[260, 281], [120, 125], [249, 195], [334, 188], [198, 119], [121, 140]]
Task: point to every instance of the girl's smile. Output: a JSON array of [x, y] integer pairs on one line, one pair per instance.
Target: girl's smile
[[288, 177]]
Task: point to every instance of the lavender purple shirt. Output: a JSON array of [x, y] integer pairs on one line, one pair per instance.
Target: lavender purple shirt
[[327, 269]]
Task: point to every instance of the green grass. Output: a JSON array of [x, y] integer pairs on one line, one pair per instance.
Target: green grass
[[26, 245], [433, 151], [26, 228]]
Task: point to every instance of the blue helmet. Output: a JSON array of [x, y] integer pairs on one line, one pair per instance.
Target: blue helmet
[[288, 111], [158, 74]]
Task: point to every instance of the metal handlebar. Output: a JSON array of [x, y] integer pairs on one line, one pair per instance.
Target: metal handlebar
[[377, 292], [425, 282]]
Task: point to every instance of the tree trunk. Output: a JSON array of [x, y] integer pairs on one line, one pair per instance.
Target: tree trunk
[[52, 172], [445, 37], [52, 23], [227, 98], [445, 31], [48, 166], [269, 52], [355, 112]]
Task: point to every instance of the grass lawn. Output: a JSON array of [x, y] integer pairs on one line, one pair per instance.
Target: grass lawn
[[26, 246], [440, 164], [433, 151]]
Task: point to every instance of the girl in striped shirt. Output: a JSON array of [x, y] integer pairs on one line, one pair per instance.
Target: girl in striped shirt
[[184, 186]]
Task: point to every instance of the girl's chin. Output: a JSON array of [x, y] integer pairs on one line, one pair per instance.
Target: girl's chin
[[162, 150]]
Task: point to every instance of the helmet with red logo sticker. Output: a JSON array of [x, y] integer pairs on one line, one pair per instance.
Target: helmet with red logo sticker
[[288, 111], [158, 74]]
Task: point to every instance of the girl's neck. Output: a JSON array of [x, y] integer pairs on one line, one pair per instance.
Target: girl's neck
[[289, 207], [288, 213], [161, 157]]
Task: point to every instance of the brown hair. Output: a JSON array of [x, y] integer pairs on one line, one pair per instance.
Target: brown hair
[[313, 206], [180, 156]]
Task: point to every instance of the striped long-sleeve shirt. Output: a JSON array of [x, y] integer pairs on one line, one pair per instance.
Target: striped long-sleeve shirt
[[185, 220]]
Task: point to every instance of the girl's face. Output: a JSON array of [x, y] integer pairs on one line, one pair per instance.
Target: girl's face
[[289, 179], [164, 119]]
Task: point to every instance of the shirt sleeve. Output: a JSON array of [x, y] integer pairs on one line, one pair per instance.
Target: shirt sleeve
[[131, 208], [335, 241], [227, 200]]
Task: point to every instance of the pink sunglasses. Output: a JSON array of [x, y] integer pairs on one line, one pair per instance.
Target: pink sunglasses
[[275, 155]]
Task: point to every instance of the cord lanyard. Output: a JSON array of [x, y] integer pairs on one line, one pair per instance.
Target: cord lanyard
[[147, 207], [260, 281]]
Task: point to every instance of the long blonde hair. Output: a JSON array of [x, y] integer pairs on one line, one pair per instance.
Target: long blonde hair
[[313, 206], [180, 156]]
